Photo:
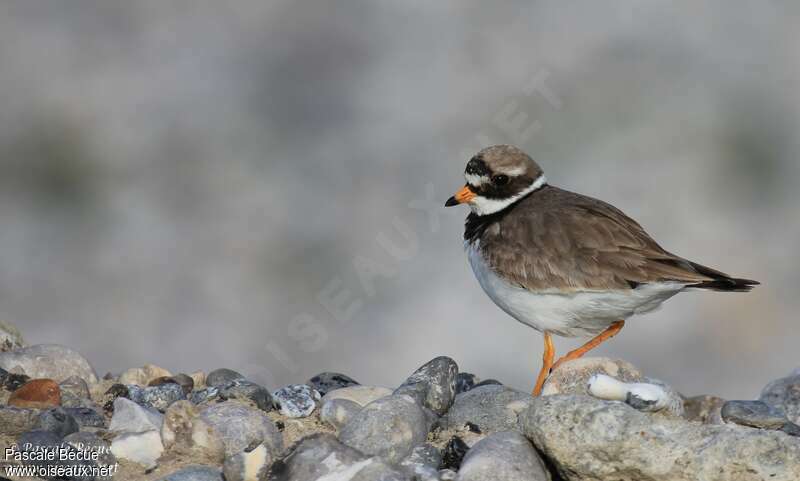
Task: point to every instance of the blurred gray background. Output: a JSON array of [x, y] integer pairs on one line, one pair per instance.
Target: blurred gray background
[[258, 185]]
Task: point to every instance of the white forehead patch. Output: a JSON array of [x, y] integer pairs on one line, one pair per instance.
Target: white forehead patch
[[514, 171], [477, 180]]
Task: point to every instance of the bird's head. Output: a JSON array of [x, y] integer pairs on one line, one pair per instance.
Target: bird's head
[[497, 177]]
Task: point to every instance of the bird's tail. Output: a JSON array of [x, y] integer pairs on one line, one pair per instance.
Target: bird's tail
[[721, 282]]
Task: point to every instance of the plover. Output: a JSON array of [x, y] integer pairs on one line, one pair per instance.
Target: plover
[[563, 263]]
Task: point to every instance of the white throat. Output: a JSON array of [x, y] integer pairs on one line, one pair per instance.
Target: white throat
[[484, 206]]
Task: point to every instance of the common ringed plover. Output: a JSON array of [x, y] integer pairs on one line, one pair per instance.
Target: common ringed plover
[[563, 263]]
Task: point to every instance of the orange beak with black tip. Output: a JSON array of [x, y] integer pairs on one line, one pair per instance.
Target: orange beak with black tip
[[462, 197]]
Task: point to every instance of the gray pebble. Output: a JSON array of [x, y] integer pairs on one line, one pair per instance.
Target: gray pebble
[[784, 393], [492, 408], [195, 473], [204, 395], [296, 400], [326, 382], [57, 421], [231, 427], [756, 414], [246, 390], [130, 417], [74, 392], [465, 381], [389, 427], [338, 412], [423, 462], [506, 456], [48, 361], [15, 421], [222, 376], [87, 417], [433, 385], [156, 397]]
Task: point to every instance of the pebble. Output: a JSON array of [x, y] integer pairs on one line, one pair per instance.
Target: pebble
[[15, 421], [453, 454], [643, 396], [204, 395], [111, 395], [57, 421], [12, 381], [199, 379], [10, 337], [338, 412], [87, 417], [321, 457], [505, 456], [705, 409], [249, 391], [176, 428], [252, 464], [183, 380], [90, 442], [572, 377], [130, 417], [423, 463], [228, 428], [141, 376], [194, 473], [784, 393], [74, 392], [389, 427], [361, 395], [36, 394], [756, 414], [156, 397], [296, 400], [326, 382], [144, 448], [491, 408], [465, 381], [49, 361], [222, 376], [433, 385], [447, 475]]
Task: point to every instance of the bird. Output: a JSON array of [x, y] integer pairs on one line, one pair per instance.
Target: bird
[[564, 263]]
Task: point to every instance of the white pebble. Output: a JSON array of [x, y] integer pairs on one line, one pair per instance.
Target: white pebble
[[642, 396]]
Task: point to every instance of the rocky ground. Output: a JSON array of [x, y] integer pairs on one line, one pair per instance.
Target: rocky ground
[[597, 420]]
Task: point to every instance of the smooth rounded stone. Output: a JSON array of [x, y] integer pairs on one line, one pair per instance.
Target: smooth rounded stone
[[423, 462], [48, 361], [177, 426], [249, 465], [465, 381], [10, 337], [705, 409], [326, 382], [228, 428], [433, 385], [183, 380], [130, 417], [447, 475], [389, 427], [46, 441], [756, 414], [491, 408], [338, 412], [506, 456], [204, 395], [87, 417], [587, 439], [194, 473], [247, 391], [36, 394], [15, 421], [296, 400], [784, 393], [90, 442], [143, 448], [141, 376], [454, 452], [572, 377], [221, 377], [74, 392], [12, 381], [361, 395], [156, 397], [321, 457], [57, 421]]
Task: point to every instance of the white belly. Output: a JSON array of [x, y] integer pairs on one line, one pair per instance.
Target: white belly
[[574, 314]]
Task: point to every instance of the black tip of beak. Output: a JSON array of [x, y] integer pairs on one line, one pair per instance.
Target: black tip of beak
[[451, 202]]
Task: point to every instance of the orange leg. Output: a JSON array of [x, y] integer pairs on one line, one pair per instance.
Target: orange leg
[[547, 363], [612, 331]]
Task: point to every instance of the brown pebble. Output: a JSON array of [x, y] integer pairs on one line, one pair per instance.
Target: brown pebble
[[36, 394]]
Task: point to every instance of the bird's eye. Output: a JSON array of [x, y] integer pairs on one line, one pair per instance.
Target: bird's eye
[[500, 179]]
